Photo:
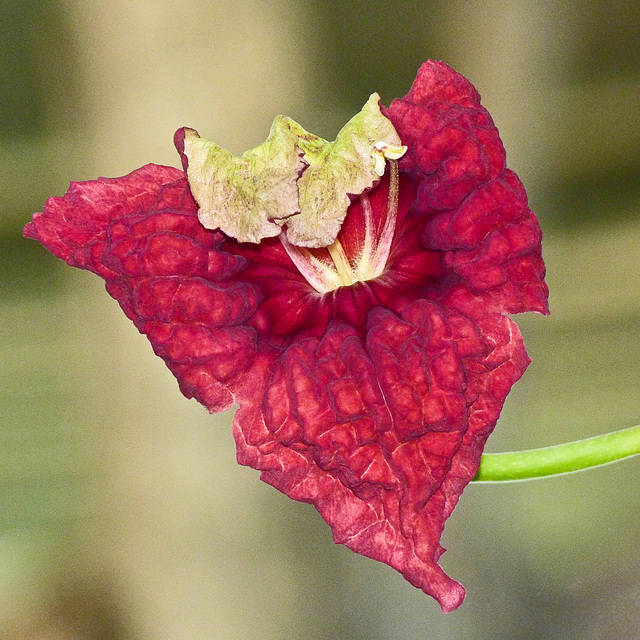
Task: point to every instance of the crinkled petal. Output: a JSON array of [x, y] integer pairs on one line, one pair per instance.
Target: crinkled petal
[[142, 235], [382, 432], [475, 210]]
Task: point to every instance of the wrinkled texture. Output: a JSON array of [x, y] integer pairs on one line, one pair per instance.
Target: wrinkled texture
[[249, 197], [372, 402], [293, 177]]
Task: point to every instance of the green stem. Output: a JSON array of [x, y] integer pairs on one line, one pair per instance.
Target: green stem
[[563, 458]]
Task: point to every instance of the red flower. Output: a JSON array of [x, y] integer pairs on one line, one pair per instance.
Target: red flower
[[371, 401]]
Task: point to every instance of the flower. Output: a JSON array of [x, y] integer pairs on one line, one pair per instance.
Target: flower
[[370, 368]]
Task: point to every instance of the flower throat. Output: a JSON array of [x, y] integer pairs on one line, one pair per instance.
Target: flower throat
[[331, 267]]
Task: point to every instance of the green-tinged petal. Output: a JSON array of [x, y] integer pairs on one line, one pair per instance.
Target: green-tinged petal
[[294, 177], [248, 197], [348, 166]]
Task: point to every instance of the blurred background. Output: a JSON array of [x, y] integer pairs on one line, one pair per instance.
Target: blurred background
[[123, 514]]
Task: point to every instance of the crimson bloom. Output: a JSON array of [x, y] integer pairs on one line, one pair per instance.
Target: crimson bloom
[[368, 372]]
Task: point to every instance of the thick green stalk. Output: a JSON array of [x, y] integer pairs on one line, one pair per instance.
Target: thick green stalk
[[563, 458]]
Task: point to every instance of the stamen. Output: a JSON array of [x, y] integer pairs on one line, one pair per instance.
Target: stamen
[[372, 258], [319, 275], [339, 257], [383, 151], [384, 244]]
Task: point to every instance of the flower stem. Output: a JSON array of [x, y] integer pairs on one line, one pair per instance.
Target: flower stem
[[563, 458]]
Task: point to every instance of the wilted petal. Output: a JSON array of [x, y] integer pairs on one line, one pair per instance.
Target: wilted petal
[[142, 235], [475, 210], [382, 432]]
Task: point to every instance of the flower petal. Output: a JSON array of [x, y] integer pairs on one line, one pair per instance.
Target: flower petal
[[142, 235], [475, 210], [375, 432], [294, 177]]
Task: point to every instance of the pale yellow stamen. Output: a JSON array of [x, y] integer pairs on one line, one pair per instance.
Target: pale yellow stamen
[[376, 251], [320, 276], [339, 257]]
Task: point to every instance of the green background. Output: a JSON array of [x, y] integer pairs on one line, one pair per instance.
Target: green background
[[123, 514]]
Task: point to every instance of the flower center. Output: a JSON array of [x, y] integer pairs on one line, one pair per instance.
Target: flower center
[[329, 268]]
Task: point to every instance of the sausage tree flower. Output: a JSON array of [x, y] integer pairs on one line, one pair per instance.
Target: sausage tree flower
[[350, 296]]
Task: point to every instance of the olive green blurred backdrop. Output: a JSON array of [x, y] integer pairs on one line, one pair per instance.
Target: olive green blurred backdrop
[[123, 514]]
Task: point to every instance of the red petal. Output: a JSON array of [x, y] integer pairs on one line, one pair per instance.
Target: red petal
[[476, 210], [375, 432], [142, 235]]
